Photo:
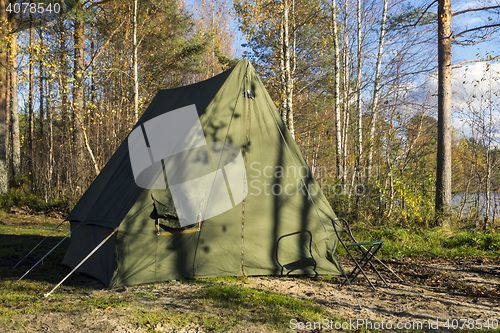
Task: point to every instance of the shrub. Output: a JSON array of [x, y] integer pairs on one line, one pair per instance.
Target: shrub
[[23, 198], [18, 197]]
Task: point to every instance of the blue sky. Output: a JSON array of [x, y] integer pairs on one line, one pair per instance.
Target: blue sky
[[467, 81], [471, 20]]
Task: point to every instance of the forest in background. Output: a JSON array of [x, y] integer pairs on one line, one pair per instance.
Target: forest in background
[[355, 82]]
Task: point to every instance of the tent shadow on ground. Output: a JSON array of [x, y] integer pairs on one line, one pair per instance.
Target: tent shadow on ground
[[50, 270]]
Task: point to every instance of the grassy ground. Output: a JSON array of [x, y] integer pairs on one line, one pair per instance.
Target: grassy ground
[[437, 242], [220, 304], [216, 304]]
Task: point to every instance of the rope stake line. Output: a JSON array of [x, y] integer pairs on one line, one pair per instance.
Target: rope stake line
[[39, 261], [81, 262], [33, 249]]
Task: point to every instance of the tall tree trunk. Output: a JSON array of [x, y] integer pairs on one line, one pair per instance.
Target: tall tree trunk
[[30, 100], [78, 91], [40, 146], [42, 96], [358, 99], [288, 69], [92, 121], [284, 115], [443, 176], [488, 188], [4, 127], [136, 80], [346, 94], [14, 110], [336, 93], [7, 111], [376, 89], [50, 111], [65, 149]]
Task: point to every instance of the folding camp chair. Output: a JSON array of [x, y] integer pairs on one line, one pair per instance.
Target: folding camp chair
[[367, 250]]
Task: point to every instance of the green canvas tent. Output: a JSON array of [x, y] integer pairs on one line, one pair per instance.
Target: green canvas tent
[[208, 183]]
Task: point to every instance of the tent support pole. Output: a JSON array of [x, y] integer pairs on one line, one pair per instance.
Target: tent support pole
[[33, 249], [81, 262]]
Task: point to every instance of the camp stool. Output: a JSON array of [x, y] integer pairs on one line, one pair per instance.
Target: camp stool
[[368, 251]]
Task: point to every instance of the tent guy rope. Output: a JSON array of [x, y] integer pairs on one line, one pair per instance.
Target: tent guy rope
[[81, 262], [33, 249], [45, 256]]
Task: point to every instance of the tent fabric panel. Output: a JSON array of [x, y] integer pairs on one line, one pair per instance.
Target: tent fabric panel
[[102, 184], [275, 226], [145, 257], [219, 246], [174, 256], [136, 242], [225, 110], [84, 239], [277, 204], [100, 205], [135, 259]]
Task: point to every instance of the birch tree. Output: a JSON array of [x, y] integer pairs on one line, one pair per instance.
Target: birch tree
[[336, 90], [78, 91], [358, 96], [14, 106], [376, 89]]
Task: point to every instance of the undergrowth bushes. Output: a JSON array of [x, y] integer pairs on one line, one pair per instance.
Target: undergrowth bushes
[[474, 239], [21, 198], [434, 242]]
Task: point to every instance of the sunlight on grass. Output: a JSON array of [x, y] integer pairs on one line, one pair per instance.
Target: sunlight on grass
[[235, 304], [219, 304]]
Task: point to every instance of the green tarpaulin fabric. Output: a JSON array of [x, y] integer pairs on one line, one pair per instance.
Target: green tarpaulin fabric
[[272, 229]]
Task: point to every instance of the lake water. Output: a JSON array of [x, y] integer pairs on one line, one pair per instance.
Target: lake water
[[476, 201]]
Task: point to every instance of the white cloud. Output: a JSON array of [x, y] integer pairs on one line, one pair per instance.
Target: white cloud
[[476, 93], [473, 81]]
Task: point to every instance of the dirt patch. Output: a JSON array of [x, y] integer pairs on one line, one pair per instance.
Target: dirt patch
[[95, 321], [434, 289]]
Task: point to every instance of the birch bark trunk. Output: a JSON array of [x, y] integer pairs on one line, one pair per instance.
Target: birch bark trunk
[[336, 93], [78, 91], [358, 103], [30, 99], [288, 103], [346, 94], [14, 110], [376, 89]]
